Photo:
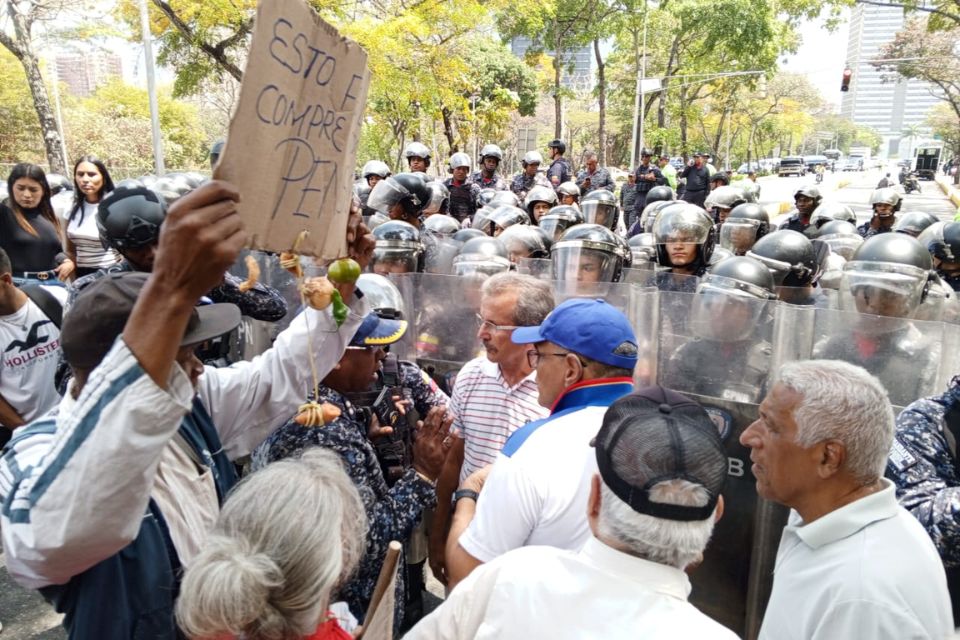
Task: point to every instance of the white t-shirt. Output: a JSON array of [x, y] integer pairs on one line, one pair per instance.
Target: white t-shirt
[[85, 237], [30, 345]]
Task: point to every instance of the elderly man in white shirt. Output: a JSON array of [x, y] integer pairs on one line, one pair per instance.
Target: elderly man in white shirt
[[651, 510], [852, 563]]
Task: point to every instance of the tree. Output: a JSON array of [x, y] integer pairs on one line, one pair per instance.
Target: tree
[[20, 137], [17, 38], [922, 54], [946, 126]]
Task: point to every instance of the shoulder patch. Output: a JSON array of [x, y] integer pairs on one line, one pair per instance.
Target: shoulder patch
[[900, 456]]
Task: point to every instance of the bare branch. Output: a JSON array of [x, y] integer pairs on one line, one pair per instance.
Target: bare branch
[[218, 55]]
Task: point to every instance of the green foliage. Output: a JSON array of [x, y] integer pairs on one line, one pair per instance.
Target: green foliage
[[20, 136]]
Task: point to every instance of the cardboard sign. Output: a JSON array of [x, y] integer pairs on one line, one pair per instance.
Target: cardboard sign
[[293, 138]]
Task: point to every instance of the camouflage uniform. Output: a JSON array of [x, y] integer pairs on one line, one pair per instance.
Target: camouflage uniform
[[521, 184], [599, 179], [463, 199], [794, 223], [952, 281], [865, 231], [497, 183], [392, 512], [923, 466], [559, 172]]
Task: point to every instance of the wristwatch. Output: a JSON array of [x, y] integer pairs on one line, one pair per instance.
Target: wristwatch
[[465, 493]]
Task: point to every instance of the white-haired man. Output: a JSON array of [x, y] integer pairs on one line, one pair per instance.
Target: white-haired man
[[651, 510], [852, 563]]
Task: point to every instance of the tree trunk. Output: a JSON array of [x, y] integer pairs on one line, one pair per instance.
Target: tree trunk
[[557, 99], [683, 123], [449, 130], [602, 100], [22, 48]]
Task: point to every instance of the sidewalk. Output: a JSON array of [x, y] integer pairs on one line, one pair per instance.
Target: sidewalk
[[951, 190]]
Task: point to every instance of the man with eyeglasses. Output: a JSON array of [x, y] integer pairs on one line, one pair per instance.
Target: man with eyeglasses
[[494, 395], [584, 354]]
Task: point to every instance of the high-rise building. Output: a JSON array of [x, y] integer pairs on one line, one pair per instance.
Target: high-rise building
[[579, 78], [888, 106], [84, 71]]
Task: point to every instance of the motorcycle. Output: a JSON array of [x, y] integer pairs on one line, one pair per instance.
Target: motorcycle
[[911, 184], [819, 175]]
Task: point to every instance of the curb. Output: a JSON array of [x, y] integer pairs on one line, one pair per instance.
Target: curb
[[952, 193]]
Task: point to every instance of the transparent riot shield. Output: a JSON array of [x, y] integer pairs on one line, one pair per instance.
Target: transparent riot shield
[[253, 337], [721, 349], [443, 321], [540, 268]]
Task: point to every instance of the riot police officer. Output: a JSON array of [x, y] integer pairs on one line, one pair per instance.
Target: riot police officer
[[642, 223], [828, 211], [885, 284], [481, 257], [719, 179], [398, 248], [806, 199], [504, 199], [504, 217], [685, 241], [464, 195], [560, 170], [643, 246], [885, 203], [647, 177], [439, 201], [721, 200], [402, 197], [569, 194], [729, 355], [944, 246], [744, 225], [418, 157], [914, 223], [587, 253], [795, 266], [558, 219], [524, 241], [487, 177], [697, 177], [374, 171], [540, 199], [842, 238], [530, 177], [600, 207]]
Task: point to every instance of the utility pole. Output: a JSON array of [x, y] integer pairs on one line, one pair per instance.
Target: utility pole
[[151, 88]]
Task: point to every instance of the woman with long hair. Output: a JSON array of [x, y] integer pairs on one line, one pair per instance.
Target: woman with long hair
[[30, 232], [92, 183]]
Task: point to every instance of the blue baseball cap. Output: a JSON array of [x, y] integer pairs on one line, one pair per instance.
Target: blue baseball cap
[[591, 328], [375, 331]]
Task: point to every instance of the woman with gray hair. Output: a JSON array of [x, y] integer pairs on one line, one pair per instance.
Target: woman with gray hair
[[286, 537]]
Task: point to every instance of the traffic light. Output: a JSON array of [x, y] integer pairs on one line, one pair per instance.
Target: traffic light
[[845, 83]]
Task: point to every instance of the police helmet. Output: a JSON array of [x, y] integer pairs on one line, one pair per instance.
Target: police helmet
[[375, 168], [532, 157], [376, 219], [506, 216], [745, 224], [504, 198], [886, 195], [660, 193], [459, 159], [557, 144], [382, 295], [646, 151], [171, 187], [943, 242], [682, 222], [417, 150], [725, 197], [588, 253], [130, 218], [439, 198], [441, 225], [58, 183], [568, 189], [650, 213], [481, 256], [539, 193], [790, 256], [558, 219], [491, 151], [464, 235], [127, 183], [397, 242], [720, 254], [888, 275], [914, 223], [216, 150], [721, 177], [734, 297], [600, 207], [829, 210], [486, 196], [524, 241], [408, 190], [809, 191], [643, 246], [842, 238]]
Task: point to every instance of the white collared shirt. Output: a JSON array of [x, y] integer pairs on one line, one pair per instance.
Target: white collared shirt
[[543, 592], [866, 570]]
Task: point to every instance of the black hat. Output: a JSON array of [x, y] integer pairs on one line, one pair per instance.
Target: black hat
[[654, 435], [101, 311]]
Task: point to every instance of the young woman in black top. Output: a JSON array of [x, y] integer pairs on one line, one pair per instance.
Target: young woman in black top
[[30, 232]]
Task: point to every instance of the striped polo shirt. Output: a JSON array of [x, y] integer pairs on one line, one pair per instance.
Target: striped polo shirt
[[486, 411]]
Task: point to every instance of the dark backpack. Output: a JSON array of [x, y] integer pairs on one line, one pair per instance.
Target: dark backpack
[[50, 306]]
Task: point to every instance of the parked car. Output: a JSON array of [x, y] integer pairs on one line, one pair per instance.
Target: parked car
[[753, 166], [792, 165], [853, 164], [812, 161]]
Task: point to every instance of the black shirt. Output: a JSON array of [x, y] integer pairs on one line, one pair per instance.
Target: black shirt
[[698, 179], [29, 252]]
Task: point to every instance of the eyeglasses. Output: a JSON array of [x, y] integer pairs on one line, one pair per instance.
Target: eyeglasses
[[533, 357], [489, 326]]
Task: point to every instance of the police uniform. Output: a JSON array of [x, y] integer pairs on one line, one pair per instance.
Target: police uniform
[[867, 232], [952, 281], [698, 184], [599, 179], [463, 199], [733, 371], [923, 467], [559, 172], [522, 183], [794, 223], [497, 183], [642, 186]]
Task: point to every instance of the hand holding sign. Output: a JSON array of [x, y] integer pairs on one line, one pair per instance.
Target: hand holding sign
[[293, 138]]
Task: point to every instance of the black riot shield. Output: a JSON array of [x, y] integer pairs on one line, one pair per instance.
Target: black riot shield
[[443, 321], [721, 351]]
